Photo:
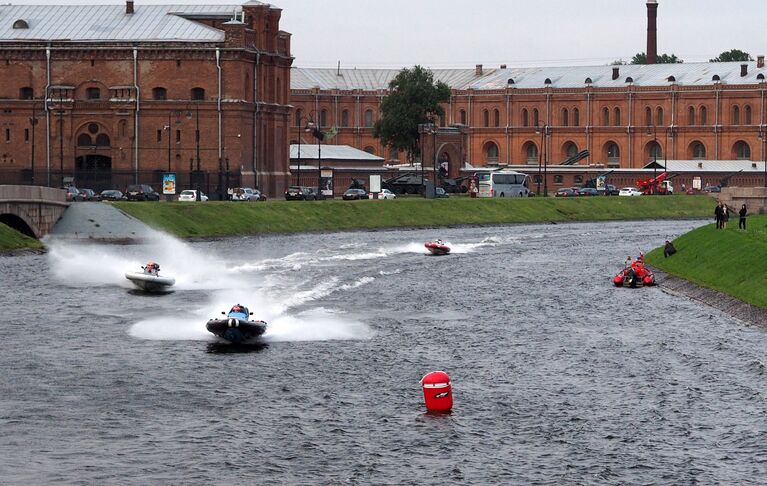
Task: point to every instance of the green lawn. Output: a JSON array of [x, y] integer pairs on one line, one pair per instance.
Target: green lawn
[[238, 218], [11, 239], [731, 261]]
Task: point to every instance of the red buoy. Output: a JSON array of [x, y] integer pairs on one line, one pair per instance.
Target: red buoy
[[437, 391]]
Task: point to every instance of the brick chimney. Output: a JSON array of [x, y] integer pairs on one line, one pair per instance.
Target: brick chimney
[[128, 6], [652, 32], [760, 62], [743, 70], [616, 72], [503, 66], [478, 70]]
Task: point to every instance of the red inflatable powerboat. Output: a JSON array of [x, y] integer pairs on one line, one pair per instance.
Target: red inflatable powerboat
[[437, 247], [636, 274]]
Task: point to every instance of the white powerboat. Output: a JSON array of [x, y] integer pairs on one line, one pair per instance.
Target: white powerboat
[[149, 279]]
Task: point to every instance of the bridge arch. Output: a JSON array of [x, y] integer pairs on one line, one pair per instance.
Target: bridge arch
[[17, 222]]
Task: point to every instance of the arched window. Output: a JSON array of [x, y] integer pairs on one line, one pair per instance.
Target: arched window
[[535, 117], [393, 154], [742, 151], [324, 118], [648, 116], [691, 115], [654, 150], [571, 150], [613, 154], [558, 179], [496, 118], [26, 93], [20, 24], [102, 140], [368, 118], [576, 117], [605, 117], [442, 120], [735, 115], [463, 117], [659, 116], [84, 140], [299, 115], [747, 113], [698, 151], [617, 117], [93, 93], [525, 120], [485, 118], [565, 117], [531, 151], [159, 93], [491, 152], [198, 94], [345, 118], [703, 116], [370, 150]]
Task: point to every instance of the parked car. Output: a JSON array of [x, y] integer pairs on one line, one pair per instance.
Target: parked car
[[611, 190], [384, 194], [691, 191], [587, 191], [141, 192], [112, 195], [354, 194], [302, 193], [712, 189], [630, 191], [89, 195], [566, 192], [73, 194], [247, 194], [191, 195], [441, 192]]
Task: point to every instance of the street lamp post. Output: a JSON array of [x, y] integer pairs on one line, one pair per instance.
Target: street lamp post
[[307, 128], [762, 137], [61, 146], [168, 127], [33, 122], [192, 174], [543, 158]]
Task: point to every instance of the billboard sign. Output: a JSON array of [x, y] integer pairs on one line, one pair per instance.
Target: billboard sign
[[169, 183], [326, 181]]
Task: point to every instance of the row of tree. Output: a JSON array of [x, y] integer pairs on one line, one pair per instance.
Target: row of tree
[[727, 56], [414, 98]]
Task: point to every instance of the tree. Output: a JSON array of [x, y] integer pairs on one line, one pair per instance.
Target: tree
[[641, 58], [413, 94], [732, 55]]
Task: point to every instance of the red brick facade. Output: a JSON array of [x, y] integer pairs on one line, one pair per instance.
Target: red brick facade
[[135, 107], [713, 121]]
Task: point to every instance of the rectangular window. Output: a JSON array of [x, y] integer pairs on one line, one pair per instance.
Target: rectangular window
[[159, 135], [178, 136], [26, 134], [7, 134]]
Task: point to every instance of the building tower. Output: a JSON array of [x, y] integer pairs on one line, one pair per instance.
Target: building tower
[[652, 32]]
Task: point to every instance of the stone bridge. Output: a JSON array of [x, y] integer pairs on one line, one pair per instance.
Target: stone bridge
[[31, 210]]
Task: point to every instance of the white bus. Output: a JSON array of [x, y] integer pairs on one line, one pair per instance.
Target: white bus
[[503, 184]]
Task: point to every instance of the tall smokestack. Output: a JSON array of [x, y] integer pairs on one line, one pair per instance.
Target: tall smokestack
[[652, 32]]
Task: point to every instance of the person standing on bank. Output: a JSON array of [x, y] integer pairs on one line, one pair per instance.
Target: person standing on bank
[[725, 215], [718, 215], [742, 213]]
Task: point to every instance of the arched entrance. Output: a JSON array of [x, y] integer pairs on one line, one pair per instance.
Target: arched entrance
[[93, 161], [18, 224]]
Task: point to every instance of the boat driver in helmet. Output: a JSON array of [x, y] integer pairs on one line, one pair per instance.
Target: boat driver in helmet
[[152, 268]]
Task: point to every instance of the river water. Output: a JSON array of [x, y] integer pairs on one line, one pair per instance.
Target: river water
[[559, 378]]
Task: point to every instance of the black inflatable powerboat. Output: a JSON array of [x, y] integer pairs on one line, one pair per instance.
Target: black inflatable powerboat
[[237, 327]]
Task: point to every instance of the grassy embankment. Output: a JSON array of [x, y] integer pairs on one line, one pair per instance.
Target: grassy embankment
[[11, 239], [239, 218], [731, 261]]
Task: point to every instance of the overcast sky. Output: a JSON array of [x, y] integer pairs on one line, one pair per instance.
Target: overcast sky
[[453, 33]]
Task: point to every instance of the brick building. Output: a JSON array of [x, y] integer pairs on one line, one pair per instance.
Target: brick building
[[117, 94], [625, 115]]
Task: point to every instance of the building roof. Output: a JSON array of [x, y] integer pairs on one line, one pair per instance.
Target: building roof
[[708, 165], [333, 152], [92, 23], [685, 74]]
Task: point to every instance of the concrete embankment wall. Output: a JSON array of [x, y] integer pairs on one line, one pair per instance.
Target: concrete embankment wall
[[100, 221], [713, 298]]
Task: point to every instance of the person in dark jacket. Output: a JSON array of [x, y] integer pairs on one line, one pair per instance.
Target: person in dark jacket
[[718, 215], [668, 249], [742, 223]]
